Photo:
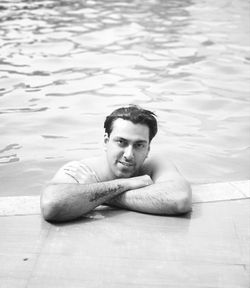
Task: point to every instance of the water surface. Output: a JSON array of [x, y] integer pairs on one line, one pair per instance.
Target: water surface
[[64, 65]]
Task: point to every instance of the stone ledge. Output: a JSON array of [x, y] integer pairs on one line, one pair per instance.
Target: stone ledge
[[221, 191], [202, 193]]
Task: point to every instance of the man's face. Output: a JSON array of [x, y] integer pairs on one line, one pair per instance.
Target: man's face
[[126, 148]]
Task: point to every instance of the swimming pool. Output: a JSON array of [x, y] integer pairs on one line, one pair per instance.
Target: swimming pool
[[66, 64]]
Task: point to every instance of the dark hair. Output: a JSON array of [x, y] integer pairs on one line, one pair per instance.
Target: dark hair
[[135, 114]]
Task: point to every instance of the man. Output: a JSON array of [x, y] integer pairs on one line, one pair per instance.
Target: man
[[124, 176]]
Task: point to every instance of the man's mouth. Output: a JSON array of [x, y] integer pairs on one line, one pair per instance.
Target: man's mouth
[[126, 164]]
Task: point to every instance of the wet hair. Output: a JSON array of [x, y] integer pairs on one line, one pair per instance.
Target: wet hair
[[136, 115]]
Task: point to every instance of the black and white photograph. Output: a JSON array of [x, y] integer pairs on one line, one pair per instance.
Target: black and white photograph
[[125, 144]]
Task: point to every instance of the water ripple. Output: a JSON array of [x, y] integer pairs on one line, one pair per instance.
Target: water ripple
[[76, 61]]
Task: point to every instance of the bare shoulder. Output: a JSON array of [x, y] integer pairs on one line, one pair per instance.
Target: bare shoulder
[[92, 162], [160, 168], [99, 166], [76, 172]]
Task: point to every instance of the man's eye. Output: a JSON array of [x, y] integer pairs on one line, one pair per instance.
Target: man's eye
[[139, 146], [121, 142]]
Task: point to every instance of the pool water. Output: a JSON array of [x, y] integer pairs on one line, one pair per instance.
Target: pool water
[[66, 64]]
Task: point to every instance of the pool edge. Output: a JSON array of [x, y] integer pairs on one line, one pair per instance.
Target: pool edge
[[202, 193]]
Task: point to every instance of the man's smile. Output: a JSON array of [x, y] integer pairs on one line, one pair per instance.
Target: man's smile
[[126, 164]]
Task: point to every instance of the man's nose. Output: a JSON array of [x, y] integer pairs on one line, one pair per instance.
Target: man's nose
[[129, 153]]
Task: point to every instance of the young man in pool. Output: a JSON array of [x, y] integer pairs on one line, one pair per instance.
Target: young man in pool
[[124, 176]]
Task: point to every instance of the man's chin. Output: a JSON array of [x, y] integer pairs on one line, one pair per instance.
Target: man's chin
[[125, 174]]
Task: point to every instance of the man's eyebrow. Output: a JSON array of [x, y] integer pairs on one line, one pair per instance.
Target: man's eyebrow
[[120, 138], [124, 139], [141, 141]]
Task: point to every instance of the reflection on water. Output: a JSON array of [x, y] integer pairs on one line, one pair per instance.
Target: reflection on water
[[65, 64]]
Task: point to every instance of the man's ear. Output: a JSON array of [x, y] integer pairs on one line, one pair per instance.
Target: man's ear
[[148, 150], [106, 140]]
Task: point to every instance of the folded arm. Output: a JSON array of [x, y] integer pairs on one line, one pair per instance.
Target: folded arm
[[167, 193], [170, 194], [67, 201]]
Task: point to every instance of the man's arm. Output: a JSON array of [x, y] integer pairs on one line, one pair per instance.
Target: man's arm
[[67, 201], [170, 194]]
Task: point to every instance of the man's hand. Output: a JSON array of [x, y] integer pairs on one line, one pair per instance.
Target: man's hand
[[139, 182]]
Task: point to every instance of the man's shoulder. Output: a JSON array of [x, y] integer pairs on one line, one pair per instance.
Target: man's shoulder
[[157, 164], [78, 171], [149, 166]]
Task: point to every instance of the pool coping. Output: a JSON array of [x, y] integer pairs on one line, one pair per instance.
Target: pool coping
[[202, 193]]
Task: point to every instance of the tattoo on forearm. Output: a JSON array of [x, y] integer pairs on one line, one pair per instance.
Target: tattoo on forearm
[[105, 192]]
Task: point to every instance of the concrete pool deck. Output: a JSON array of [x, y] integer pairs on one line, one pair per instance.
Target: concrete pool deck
[[209, 247]]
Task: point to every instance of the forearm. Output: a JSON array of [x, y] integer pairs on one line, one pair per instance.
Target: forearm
[[63, 202], [164, 198]]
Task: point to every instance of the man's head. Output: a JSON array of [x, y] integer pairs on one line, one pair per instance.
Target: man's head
[[128, 133], [136, 115]]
